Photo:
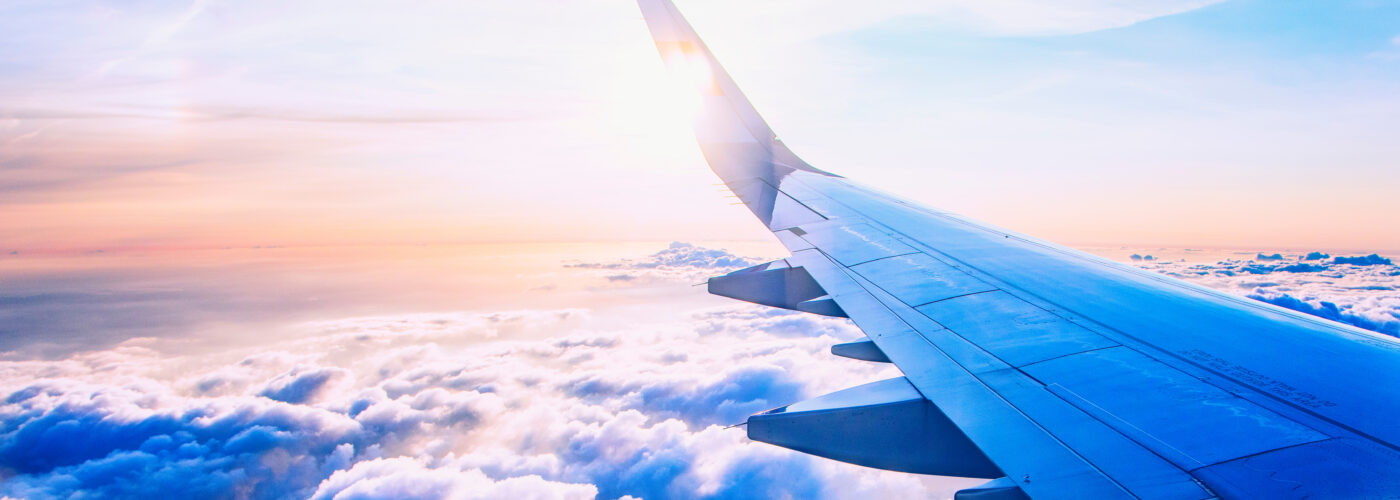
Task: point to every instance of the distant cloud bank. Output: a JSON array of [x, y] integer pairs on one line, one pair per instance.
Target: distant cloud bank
[[1366, 260], [678, 261], [1356, 290], [678, 255]]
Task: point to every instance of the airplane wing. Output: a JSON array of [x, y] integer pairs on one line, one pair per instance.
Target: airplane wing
[[1048, 371]]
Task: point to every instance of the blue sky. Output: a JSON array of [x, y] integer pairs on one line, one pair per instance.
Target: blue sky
[[1230, 123]]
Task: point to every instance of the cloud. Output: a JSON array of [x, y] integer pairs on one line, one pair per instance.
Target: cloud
[[1390, 52], [1367, 260], [158, 36], [1354, 290], [407, 478], [1301, 268], [553, 403], [1312, 262], [138, 440], [390, 407], [725, 398], [678, 255], [1343, 314], [302, 384], [1254, 269], [678, 261]]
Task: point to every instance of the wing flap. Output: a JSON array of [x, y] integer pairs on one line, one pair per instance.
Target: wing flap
[[953, 375], [1336, 468], [885, 424]]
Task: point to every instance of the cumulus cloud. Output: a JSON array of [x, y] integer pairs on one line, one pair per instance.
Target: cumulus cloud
[[678, 255], [1354, 290], [67, 437], [403, 477], [1387, 322], [392, 407], [679, 260], [1365, 260], [302, 384], [1300, 268]]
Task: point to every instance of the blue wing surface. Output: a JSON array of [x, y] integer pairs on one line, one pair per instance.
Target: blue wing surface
[[1070, 376]]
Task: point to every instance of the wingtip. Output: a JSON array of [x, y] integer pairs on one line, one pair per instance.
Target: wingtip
[[726, 119]]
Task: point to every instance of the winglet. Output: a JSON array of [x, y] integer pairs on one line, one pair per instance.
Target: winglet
[[736, 141]]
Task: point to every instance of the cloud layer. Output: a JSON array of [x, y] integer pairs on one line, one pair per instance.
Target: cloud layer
[[420, 406], [547, 403], [1356, 290]]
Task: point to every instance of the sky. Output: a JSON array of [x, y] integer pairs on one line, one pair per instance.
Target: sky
[[211, 124], [447, 250]]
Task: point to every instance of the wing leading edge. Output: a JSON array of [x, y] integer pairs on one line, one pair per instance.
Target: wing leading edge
[[1051, 372]]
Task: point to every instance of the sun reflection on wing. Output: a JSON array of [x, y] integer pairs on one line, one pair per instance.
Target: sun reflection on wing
[[690, 73]]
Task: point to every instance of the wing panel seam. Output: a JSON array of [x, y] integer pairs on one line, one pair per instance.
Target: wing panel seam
[[845, 271]]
